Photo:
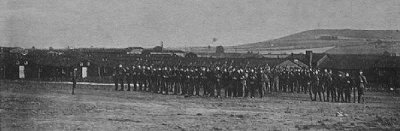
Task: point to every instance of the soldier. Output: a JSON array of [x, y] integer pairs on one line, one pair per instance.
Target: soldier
[[347, 88], [276, 80], [252, 82], [335, 85], [361, 81], [120, 73], [128, 76], [159, 76], [304, 80], [327, 80], [340, 86], [196, 81], [290, 80], [236, 82], [316, 85], [243, 80], [135, 78], [203, 80], [74, 75], [165, 83], [141, 78], [331, 86], [226, 83], [115, 79], [219, 83], [262, 78], [212, 80], [309, 82]]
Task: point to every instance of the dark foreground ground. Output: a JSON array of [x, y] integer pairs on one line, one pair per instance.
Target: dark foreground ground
[[39, 106]]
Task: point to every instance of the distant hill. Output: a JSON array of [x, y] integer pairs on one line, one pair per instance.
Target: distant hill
[[344, 33], [327, 37], [332, 41]]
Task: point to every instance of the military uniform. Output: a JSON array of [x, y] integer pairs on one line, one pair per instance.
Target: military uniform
[[347, 89], [361, 81]]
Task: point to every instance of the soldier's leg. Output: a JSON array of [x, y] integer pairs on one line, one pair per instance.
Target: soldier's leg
[[121, 84], [237, 88], [198, 86], [360, 93], [174, 87], [339, 96], [230, 90], [354, 95], [349, 95], [342, 96], [129, 84], [192, 87], [246, 90], [212, 89], [73, 87], [116, 84], [333, 93], [205, 87], [227, 90], [314, 92], [319, 95], [166, 87], [328, 93], [134, 85], [183, 88], [310, 91], [253, 90], [261, 89], [217, 87], [291, 86], [180, 86]]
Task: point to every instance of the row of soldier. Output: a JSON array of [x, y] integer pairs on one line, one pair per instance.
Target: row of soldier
[[239, 81]]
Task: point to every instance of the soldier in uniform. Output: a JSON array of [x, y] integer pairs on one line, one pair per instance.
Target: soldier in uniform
[[196, 81], [309, 82], [347, 88], [165, 83], [128, 77], [341, 82], [252, 83], [243, 80], [141, 76], [120, 73], [316, 85], [203, 80], [135, 78], [327, 80], [262, 78], [361, 81], [74, 75], [211, 80], [331, 87], [276, 80], [236, 82], [225, 83], [219, 83]]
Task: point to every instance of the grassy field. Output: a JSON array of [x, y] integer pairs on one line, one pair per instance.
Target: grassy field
[[40, 106]]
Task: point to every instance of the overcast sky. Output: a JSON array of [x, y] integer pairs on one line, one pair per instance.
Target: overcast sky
[[123, 23]]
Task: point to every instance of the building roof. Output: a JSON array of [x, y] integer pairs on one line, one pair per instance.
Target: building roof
[[349, 62], [388, 62], [290, 63]]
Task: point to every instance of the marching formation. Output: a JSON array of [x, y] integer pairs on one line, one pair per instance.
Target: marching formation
[[232, 81]]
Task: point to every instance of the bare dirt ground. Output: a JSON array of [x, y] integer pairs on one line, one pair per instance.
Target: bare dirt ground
[[39, 106]]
